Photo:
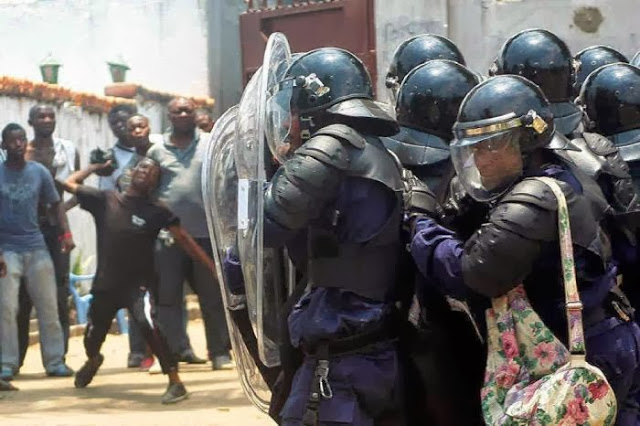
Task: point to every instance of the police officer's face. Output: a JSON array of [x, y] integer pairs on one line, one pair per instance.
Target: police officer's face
[[497, 161], [294, 140]]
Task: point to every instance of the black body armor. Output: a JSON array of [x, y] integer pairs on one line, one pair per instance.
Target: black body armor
[[303, 192], [520, 223]]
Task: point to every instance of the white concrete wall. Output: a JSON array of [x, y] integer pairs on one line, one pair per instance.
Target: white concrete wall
[[164, 41], [479, 27], [396, 21]]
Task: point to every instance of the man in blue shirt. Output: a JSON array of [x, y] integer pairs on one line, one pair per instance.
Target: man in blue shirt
[[23, 186]]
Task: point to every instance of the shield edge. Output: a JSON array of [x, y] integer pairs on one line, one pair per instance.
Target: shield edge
[[221, 123]]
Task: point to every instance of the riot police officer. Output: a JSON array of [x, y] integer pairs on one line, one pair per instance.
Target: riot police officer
[[417, 50], [426, 108], [611, 99], [446, 352], [336, 203], [542, 57], [502, 127], [590, 59]]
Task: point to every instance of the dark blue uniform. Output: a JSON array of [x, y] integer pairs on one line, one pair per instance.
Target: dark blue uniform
[[613, 344]]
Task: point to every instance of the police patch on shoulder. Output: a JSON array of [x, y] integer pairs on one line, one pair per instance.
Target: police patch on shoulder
[[138, 221]]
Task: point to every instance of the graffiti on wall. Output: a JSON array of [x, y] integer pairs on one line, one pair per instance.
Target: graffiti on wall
[[400, 28]]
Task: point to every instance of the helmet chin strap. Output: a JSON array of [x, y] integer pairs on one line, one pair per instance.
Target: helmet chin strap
[[307, 127], [310, 123]]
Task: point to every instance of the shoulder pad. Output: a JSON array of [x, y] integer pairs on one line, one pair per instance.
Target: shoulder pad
[[343, 132], [585, 159], [560, 142], [530, 210], [593, 192], [532, 191], [326, 149], [526, 220], [599, 144], [607, 154]]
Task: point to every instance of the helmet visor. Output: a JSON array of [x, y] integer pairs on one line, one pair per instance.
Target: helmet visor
[[280, 122], [487, 167]]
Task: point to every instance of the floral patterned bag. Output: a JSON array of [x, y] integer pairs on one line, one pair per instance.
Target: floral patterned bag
[[531, 377]]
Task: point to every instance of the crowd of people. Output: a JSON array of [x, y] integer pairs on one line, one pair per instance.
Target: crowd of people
[[466, 255], [148, 215]]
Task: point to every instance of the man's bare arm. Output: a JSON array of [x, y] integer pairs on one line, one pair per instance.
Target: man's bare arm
[[73, 201], [75, 180], [57, 209]]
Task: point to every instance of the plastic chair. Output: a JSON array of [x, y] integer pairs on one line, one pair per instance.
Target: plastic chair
[[82, 303]]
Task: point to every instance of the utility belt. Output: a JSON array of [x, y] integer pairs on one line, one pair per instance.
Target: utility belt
[[615, 305], [364, 342]]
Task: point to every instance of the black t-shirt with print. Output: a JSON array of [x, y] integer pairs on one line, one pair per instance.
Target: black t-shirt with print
[[127, 228]]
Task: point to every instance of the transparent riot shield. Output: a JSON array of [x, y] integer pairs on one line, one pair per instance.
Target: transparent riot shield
[[219, 188], [263, 269]]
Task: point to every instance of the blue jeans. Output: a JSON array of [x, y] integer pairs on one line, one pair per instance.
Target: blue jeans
[[37, 270]]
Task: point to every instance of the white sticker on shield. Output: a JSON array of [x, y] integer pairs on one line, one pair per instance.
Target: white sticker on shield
[[243, 204]]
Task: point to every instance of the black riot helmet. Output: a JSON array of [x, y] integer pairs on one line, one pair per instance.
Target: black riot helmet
[[418, 50], [503, 118], [592, 58], [487, 106], [426, 109], [342, 75], [324, 86], [610, 97], [430, 96], [636, 60], [541, 57]]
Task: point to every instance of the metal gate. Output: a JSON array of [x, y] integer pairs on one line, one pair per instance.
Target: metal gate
[[348, 24]]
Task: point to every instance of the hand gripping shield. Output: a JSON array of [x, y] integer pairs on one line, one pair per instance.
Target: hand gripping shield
[[263, 269]]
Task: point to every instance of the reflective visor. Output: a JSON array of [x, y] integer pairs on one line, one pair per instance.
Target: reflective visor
[[473, 132], [279, 122], [488, 167]]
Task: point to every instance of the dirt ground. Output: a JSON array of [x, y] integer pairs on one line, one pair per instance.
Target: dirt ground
[[121, 396]]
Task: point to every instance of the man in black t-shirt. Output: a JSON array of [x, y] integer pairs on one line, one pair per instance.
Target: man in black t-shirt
[[127, 225]]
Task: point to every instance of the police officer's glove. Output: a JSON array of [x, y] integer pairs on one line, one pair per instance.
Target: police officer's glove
[[98, 156], [461, 212], [458, 203], [419, 200]]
